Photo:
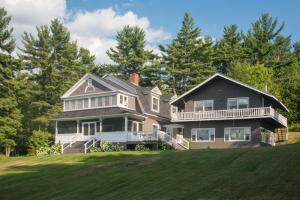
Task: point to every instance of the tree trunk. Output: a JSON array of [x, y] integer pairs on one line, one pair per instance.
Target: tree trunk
[[7, 150]]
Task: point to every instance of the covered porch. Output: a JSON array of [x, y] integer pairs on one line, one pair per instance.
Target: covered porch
[[119, 129]]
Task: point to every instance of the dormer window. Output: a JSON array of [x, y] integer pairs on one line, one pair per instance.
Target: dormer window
[[90, 87], [155, 104], [123, 100]]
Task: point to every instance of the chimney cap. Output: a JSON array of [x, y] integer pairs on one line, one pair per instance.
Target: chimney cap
[[134, 78]]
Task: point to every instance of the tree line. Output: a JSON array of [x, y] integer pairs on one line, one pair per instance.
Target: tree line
[[49, 63]]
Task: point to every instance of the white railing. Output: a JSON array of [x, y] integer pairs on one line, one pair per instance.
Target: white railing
[[91, 143], [163, 136], [231, 114], [183, 142], [68, 141]]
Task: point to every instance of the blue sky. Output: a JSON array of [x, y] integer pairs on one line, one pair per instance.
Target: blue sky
[[94, 23], [210, 16]]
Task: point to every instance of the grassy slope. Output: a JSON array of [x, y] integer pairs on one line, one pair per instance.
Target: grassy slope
[[260, 173]]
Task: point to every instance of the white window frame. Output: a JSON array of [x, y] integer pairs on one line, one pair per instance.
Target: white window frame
[[171, 110], [211, 131], [237, 102], [195, 103], [89, 85], [229, 139], [158, 107], [124, 100]]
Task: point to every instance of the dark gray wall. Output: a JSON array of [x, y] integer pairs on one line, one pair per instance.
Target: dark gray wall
[[219, 90], [219, 133]]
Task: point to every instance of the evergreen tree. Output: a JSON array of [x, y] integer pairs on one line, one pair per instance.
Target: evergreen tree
[[228, 49], [188, 58], [59, 64], [10, 116], [130, 54]]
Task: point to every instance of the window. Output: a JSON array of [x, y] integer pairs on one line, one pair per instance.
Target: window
[[89, 87], [203, 135], [155, 104], [174, 110], [76, 104], [103, 101], [204, 105], [238, 103], [123, 100], [237, 134]]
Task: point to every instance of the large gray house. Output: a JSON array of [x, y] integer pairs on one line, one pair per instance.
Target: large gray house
[[218, 113]]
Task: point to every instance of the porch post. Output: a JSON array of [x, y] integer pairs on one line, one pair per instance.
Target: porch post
[[126, 123], [56, 131], [100, 125], [77, 128]]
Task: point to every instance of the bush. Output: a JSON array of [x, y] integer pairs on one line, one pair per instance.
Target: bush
[[164, 146], [141, 147], [294, 127], [107, 147], [53, 150], [2, 157], [37, 140]]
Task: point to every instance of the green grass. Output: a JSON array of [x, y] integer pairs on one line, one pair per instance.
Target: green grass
[[256, 173]]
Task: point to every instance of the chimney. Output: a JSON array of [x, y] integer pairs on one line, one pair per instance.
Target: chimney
[[134, 78]]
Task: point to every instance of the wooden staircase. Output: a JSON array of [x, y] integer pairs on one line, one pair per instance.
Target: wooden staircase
[[76, 147]]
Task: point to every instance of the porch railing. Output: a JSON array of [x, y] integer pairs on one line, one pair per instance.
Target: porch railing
[[182, 142], [230, 114]]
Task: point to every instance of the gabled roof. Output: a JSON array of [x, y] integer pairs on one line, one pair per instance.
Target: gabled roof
[[232, 80], [83, 79]]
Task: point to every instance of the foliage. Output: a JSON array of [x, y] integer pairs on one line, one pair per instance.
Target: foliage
[[141, 147], [53, 150], [188, 58], [294, 127], [130, 53], [255, 75], [38, 140], [10, 115], [107, 147], [164, 146]]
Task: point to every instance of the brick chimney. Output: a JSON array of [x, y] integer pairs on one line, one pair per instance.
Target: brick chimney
[[134, 78]]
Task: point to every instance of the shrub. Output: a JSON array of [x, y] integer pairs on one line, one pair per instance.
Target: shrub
[[107, 147], [141, 147], [294, 127], [37, 140], [2, 157], [164, 146], [53, 150]]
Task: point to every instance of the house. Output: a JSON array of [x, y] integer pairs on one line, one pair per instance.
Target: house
[[110, 109], [218, 113], [222, 112]]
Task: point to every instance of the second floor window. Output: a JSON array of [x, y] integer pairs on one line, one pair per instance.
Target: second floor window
[[203, 105], [238, 103], [155, 104], [123, 100]]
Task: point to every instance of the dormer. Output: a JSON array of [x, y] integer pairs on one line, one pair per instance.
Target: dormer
[[155, 99]]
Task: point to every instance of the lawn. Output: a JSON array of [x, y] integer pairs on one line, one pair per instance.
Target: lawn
[[257, 173]]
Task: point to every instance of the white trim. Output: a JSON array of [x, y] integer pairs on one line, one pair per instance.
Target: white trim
[[232, 80], [209, 135], [97, 116], [158, 106], [156, 90], [89, 128], [81, 81], [121, 83], [237, 102], [244, 127], [209, 100], [89, 85]]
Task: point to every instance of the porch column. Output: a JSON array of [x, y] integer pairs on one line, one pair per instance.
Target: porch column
[[100, 125], [126, 123], [77, 128], [56, 129]]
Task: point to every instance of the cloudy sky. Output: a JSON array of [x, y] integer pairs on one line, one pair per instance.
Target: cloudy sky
[[94, 23]]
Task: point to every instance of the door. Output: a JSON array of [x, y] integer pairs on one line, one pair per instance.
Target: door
[[88, 130]]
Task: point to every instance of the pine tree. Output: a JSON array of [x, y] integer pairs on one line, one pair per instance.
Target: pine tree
[[10, 116], [130, 54], [59, 63], [188, 57]]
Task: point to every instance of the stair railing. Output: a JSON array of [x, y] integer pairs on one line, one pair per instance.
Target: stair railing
[[87, 146], [73, 140], [182, 142]]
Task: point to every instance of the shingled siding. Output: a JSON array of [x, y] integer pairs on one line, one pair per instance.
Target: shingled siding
[[219, 90], [219, 133], [81, 89]]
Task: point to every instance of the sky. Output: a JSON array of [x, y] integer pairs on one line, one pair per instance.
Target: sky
[[94, 23]]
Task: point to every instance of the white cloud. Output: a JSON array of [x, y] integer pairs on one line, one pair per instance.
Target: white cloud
[[27, 14], [94, 30]]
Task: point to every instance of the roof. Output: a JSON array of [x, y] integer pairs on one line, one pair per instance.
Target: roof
[[95, 112], [232, 80]]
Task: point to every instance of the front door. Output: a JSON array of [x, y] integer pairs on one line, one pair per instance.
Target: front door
[[88, 130]]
